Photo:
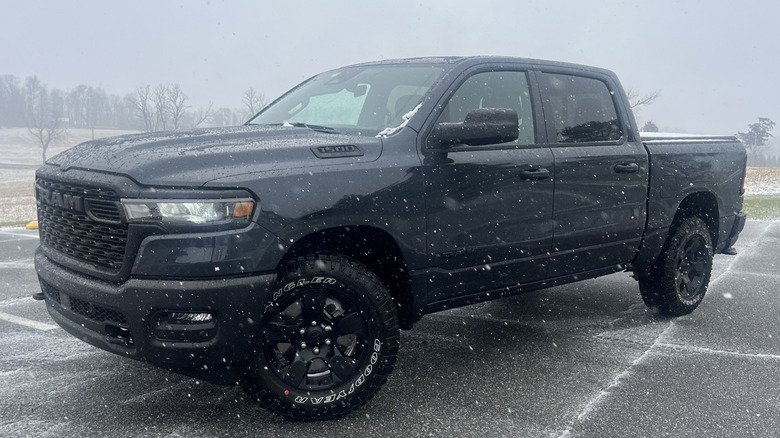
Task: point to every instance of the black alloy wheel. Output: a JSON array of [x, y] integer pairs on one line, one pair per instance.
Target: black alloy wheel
[[677, 282], [328, 342], [692, 268], [315, 340]]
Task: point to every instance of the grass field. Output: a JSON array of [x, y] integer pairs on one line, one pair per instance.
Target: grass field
[[763, 207], [19, 157]]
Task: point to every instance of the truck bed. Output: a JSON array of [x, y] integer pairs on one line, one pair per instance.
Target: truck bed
[[688, 168]]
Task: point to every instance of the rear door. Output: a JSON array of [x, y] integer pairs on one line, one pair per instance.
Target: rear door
[[489, 207], [601, 173]]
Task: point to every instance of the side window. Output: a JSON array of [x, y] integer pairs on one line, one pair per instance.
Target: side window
[[500, 89], [579, 109]]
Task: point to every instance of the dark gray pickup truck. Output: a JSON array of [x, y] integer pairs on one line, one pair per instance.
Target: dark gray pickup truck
[[286, 254]]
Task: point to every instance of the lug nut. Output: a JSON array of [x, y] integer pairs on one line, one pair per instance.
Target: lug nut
[[303, 345], [302, 331], [327, 341], [328, 328], [316, 350]]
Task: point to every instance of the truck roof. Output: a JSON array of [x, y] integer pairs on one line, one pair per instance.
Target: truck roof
[[467, 61]]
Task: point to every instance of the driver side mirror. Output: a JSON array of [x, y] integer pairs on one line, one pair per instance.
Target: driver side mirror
[[481, 126]]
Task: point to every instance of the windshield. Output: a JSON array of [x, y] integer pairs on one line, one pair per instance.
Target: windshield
[[368, 99]]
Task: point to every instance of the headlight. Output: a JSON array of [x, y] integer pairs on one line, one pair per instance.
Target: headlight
[[234, 212]]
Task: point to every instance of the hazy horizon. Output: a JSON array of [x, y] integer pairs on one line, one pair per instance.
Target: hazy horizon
[[712, 61]]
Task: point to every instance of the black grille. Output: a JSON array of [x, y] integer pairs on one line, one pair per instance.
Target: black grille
[[95, 236], [104, 210], [96, 313], [74, 189], [112, 323], [51, 293]]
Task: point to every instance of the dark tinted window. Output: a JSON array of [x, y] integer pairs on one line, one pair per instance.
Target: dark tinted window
[[579, 109], [499, 89]]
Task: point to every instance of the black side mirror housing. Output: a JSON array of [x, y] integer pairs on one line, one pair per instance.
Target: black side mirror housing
[[481, 126]]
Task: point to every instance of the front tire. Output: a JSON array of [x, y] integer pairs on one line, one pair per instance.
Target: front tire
[[678, 281], [329, 339]]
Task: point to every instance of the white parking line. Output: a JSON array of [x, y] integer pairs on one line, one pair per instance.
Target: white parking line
[[26, 236], [18, 264], [27, 322]]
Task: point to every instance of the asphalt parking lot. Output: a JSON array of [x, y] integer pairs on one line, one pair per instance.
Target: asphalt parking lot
[[581, 360]]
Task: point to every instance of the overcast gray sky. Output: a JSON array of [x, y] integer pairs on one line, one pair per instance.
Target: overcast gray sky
[[715, 62]]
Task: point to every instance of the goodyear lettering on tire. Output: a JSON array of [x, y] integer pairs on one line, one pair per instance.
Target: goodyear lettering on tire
[[361, 379]]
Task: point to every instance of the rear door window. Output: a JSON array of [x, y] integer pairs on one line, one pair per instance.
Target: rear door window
[[579, 109]]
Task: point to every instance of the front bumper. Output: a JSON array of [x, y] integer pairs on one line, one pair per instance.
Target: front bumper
[[132, 318]]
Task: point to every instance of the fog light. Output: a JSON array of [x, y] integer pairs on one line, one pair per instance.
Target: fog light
[[189, 317], [184, 326]]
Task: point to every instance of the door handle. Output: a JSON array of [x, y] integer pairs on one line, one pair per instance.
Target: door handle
[[534, 174], [626, 168]]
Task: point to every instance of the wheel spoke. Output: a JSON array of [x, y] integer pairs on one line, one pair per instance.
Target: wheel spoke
[[685, 286], [296, 372], [279, 331], [342, 367], [693, 249], [352, 324]]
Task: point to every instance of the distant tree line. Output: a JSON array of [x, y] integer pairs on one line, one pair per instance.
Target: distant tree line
[[756, 140], [24, 103], [764, 160], [49, 113]]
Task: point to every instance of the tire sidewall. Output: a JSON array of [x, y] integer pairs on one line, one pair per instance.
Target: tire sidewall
[[370, 374], [675, 301]]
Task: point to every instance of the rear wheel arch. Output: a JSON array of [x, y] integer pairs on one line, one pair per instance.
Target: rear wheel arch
[[703, 205]]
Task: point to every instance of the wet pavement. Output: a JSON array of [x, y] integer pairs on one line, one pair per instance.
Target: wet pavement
[[581, 360]]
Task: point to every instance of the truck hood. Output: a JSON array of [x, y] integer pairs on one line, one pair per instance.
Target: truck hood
[[195, 157]]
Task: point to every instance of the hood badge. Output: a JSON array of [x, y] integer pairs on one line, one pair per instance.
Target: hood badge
[[338, 151]]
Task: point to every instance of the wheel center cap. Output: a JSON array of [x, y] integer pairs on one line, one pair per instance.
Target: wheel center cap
[[315, 335]]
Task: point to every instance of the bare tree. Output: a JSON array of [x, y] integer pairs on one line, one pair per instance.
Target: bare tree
[[636, 100], [254, 101], [77, 106], [44, 114], [144, 107], [160, 100], [11, 101], [203, 115], [176, 104]]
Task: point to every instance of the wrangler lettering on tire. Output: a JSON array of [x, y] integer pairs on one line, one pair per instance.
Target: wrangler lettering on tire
[[329, 339]]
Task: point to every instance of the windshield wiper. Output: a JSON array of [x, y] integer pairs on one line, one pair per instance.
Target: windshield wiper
[[306, 125]]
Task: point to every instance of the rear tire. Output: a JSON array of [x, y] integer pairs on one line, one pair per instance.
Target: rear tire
[[329, 339], [678, 281]]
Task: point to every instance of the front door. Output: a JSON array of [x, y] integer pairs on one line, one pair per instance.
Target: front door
[[489, 207]]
